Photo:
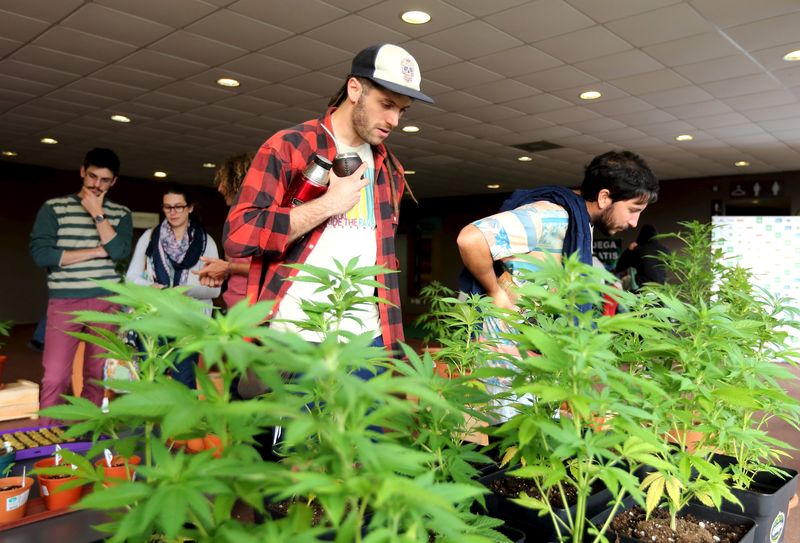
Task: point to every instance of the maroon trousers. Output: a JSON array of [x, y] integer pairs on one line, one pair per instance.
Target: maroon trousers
[[60, 348]]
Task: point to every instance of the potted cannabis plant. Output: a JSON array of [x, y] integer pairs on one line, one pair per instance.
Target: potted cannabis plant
[[14, 493], [455, 324], [332, 454], [464, 353], [715, 359], [581, 439], [755, 395]]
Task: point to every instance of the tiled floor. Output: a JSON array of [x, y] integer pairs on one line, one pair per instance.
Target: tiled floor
[[25, 363]]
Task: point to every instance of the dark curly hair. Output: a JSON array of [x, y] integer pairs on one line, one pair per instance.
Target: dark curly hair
[[625, 174], [230, 176]]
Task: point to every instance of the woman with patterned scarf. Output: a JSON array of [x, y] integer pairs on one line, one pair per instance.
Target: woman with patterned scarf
[[166, 256]]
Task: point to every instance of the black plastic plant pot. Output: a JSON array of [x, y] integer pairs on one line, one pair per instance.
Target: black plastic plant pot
[[700, 512], [766, 501], [517, 536], [536, 528]]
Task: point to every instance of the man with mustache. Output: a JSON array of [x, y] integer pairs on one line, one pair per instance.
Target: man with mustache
[[357, 216], [79, 238], [617, 187]]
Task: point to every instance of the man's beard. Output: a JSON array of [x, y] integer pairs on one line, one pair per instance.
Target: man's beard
[[603, 222], [361, 123]]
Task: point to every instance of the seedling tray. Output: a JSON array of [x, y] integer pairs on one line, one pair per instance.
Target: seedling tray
[[34, 447]]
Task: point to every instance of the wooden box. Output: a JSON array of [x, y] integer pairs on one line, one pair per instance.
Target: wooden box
[[19, 400]]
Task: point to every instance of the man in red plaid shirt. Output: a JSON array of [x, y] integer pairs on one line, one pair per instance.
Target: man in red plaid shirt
[[356, 217]]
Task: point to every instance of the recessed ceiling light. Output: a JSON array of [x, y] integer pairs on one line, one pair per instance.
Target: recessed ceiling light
[[495, 186], [792, 56], [120, 118], [160, 175], [590, 95], [415, 17], [410, 172], [410, 129], [209, 165], [524, 159], [49, 141], [741, 163], [684, 137], [227, 82], [9, 153]]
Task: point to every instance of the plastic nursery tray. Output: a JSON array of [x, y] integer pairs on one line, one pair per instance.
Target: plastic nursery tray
[[77, 445], [36, 511]]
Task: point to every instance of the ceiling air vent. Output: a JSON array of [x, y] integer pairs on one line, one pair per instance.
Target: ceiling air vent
[[537, 146]]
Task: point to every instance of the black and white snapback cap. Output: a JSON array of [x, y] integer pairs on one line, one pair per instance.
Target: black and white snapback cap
[[391, 67]]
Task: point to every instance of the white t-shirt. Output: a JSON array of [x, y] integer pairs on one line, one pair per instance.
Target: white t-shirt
[[345, 236]]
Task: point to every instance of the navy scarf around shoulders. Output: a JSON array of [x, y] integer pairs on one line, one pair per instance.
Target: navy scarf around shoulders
[[197, 246], [578, 236]]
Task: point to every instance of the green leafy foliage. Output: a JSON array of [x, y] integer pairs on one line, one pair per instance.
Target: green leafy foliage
[[454, 324], [716, 356], [585, 425], [350, 445]]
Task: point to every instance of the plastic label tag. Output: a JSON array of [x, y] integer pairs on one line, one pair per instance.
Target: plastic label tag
[[776, 531], [15, 502]]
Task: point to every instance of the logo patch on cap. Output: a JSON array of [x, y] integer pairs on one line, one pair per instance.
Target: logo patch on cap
[[407, 69]]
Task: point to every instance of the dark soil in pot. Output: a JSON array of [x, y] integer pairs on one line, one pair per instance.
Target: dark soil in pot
[[633, 523], [7, 488], [281, 509], [57, 476], [514, 486]]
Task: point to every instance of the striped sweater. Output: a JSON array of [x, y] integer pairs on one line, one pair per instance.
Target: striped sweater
[[62, 224]]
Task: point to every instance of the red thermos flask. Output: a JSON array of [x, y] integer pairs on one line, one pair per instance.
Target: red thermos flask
[[310, 184]]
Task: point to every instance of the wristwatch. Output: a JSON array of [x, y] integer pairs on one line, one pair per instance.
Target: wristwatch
[[99, 218]]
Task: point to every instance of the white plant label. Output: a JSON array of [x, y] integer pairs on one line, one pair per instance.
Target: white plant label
[[15, 502], [776, 531], [109, 456]]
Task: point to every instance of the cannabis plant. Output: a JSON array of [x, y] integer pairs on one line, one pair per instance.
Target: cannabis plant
[[585, 425], [456, 324], [755, 377], [713, 361], [438, 298], [334, 454]]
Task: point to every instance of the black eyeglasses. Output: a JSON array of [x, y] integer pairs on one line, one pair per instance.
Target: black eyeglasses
[[178, 208]]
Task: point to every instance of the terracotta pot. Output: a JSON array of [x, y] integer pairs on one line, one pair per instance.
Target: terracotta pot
[[443, 370], [176, 444], [691, 438], [122, 472], [213, 443], [13, 502], [195, 445], [54, 497], [200, 444], [3, 360]]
